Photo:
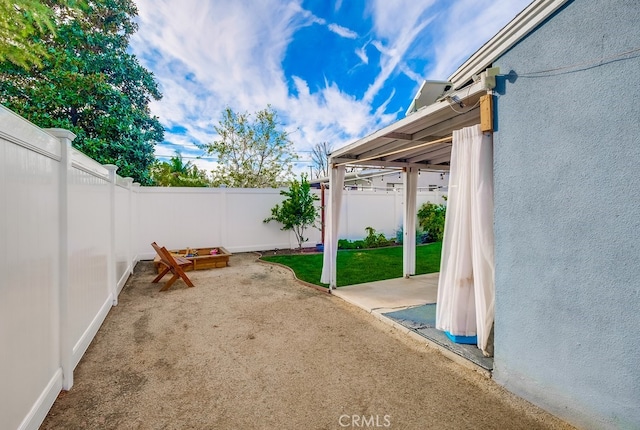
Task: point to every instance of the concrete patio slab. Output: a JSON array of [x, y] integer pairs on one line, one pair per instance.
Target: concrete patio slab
[[383, 298], [391, 294]]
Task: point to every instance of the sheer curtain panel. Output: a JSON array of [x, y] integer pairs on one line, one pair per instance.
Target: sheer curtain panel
[[466, 290], [336, 185]]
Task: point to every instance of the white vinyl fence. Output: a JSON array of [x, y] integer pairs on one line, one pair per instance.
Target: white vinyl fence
[[71, 231], [233, 218], [60, 264]]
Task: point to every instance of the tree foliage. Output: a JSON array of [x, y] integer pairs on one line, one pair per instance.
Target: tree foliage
[[298, 211], [177, 173], [89, 83], [320, 159], [21, 20], [431, 218], [252, 151]]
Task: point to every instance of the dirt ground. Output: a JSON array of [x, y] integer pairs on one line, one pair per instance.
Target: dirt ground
[[251, 348]]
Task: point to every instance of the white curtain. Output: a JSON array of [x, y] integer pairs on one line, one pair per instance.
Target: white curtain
[[466, 290], [332, 216]]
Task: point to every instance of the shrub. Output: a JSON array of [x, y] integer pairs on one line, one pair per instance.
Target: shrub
[[420, 236], [344, 244], [375, 240], [431, 219], [297, 212], [348, 244]]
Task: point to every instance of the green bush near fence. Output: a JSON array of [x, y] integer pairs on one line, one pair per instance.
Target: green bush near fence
[[431, 219], [373, 240]]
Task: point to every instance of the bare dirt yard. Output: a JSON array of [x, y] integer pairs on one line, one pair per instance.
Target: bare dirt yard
[[251, 348]]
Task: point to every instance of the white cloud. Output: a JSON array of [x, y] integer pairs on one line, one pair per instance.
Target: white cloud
[[362, 54], [399, 25], [416, 77], [210, 55], [342, 31], [232, 54], [393, 19], [392, 57], [465, 27]]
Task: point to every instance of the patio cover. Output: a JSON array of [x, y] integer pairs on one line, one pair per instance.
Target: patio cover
[[420, 141]]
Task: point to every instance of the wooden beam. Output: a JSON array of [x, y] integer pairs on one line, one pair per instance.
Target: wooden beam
[[447, 126], [441, 159], [399, 136], [420, 151], [384, 164], [428, 156], [422, 145], [486, 113]]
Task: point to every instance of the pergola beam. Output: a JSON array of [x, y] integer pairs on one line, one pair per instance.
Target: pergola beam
[[421, 145], [396, 164], [399, 136], [410, 154], [428, 156]]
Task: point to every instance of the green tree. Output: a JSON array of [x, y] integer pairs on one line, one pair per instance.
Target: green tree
[[20, 21], [298, 211], [89, 83], [431, 218], [252, 152], [177, 173]]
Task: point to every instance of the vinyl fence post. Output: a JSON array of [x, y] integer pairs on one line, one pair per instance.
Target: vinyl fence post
[[111, 259], [135, 231], [129, 239], [64, 323]]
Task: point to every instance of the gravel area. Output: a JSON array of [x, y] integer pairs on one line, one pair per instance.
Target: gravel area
[[251, 348]]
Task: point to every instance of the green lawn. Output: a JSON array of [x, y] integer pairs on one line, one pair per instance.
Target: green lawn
[[358, 266]]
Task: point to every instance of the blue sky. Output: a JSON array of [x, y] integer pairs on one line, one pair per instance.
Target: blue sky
[[334, 70]]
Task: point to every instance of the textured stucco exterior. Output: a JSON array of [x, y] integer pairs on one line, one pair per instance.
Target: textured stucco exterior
[[567, 215]]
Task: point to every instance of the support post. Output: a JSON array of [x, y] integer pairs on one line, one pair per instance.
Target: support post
[[322, 212], [330, 256], [410, 189]]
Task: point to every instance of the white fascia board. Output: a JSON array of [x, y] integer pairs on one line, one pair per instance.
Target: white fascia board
[[465, 92], [519, 27]]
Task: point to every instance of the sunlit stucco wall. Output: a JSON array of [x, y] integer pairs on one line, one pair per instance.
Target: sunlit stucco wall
[[567, 215]]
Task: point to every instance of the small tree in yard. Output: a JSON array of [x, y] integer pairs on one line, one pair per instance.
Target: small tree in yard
[[431, 218], [298, 211]]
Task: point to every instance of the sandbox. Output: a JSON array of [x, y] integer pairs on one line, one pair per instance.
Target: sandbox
[[203, 258]]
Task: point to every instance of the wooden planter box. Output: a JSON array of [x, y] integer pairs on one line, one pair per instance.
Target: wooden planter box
[[203, 260]]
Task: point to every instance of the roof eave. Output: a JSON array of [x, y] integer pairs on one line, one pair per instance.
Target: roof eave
[[512, 33], [423, 113]]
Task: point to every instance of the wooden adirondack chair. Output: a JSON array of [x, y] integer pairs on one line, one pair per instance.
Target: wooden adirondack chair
[[173, 264]]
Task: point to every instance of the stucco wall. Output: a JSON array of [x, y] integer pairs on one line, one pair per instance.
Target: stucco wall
[[567, 216]]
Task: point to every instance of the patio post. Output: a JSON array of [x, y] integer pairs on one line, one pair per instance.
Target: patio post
[[410, 188], [330, 256]]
